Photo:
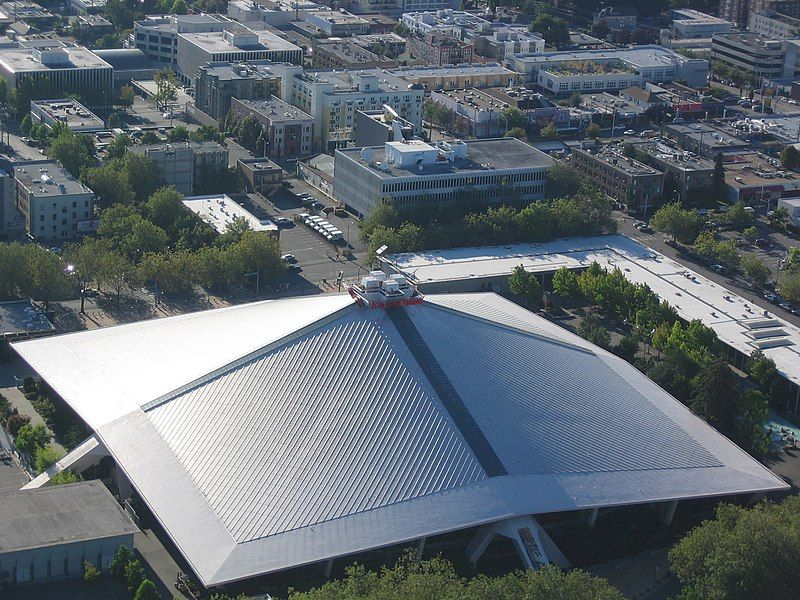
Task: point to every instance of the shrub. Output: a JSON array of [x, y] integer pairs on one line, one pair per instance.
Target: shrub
[[90, 572], [121, 560], [134, 575], [16, 422]]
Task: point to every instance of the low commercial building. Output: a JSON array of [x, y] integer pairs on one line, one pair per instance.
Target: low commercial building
[[49, 533], [260, 174], [755, 54], [220, 210], [455, 77], [703, 138], [188, 166], [687, 24], [52, 202], [216, 83], [92, 26], [66, 111], [792, 206], [69, 70], [624, 179], [87, 6], [644, 99], [337, 23], [758, 180], [608, 69], [31, 13], [345, 53], [539, 109], [414, 173], [289, 131], [688, 170]]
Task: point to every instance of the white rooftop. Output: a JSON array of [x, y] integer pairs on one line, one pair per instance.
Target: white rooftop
[[219, 211], [270, 435], [693, 296]]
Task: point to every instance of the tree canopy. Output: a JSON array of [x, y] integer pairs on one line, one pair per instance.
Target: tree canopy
[[682, 225]]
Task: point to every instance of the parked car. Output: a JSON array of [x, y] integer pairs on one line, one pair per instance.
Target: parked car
[[646, 229], [770, 297], [290, 258], [629, 132], [317, 205], [282, 222], [763, 243], [718, 269]]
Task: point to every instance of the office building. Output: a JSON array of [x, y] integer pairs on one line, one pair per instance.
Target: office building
[[773, 25], [624, 179], [289, 131], [158, 36], [755, 54], [611, 69], [437, 49], [454, 77], [217, 82], [69, 70], [50, 533], [11, 222], [66, 111], [375, 128], [332, 98], [414, 173], [423, 432], [187, 166], [54, 204], [688, 24], [504, 40], [232, 45]]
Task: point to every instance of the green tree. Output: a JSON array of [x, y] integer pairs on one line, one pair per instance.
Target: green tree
[[436, 578], [593, 131], [565, 283], [719, 176], [754, 269], [592, 330], [683, 225], [248, 130], [166, 87], [742, 554], [30, 437], [110, 184], [549, 131], [149, 137], [575, 100], [514, 118], [256, 252], [178, 133], [517, 132], [85, 261], [715, 396], [134, 575], [147, 589], [46, 456], [90, 572], [126, 96], [207, 133], [790, 157], [64, 477], [122, 557], [118, 146], [525, 285], [789, 284], [750, 234], [73, 151], [554, 30], [142, 174], [179, 7], [25, 124], [46, 277], [763, 371]]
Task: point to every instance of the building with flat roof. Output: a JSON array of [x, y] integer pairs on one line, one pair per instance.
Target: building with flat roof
[[392, 45], [608, 69], [688, 170], [289, 131], [260, 174], [188, 166], [11, 222], [758, 180], [87, 6], [336, 23], [52, 202], [439, 48], [423, 434], [449, 77], [703, 138], [414, 173], [216, 83], [345, 53], [220, 210], [70, 70], [66, 111], [48, 533], [687, 24], [157, 35], [232, 45], [376, 127], [333, 97], [450, 22], [30, 12], [635, 184]]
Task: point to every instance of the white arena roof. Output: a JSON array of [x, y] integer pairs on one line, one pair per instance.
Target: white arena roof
[[734, 319], [271, 435]]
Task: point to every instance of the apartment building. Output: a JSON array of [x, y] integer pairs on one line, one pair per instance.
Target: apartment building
[[437, 48], [415, 173], [52, 202], [771, 24], [10, 218], [333, 97], [447, 77], [289, 131], [346, 53], [187, 166], [626, 180], [216, 83]]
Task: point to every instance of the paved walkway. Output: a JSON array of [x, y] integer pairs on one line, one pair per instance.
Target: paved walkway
[[162, 565], [642, 577]]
